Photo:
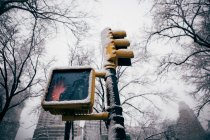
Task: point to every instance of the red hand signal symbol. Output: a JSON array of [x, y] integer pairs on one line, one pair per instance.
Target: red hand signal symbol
[[58, 89]]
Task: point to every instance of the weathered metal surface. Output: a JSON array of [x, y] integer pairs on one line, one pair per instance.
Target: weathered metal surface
[[116, 130], [93, 116]]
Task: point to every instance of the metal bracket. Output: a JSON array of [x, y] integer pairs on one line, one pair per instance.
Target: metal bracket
[[93, 116]]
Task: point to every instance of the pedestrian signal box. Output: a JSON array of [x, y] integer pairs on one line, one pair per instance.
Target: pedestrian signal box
[[70, 91]]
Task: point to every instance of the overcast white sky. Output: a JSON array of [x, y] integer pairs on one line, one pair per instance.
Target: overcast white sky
[[129, 15]]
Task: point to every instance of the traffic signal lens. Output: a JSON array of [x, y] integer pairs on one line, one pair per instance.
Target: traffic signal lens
[[65, 86]]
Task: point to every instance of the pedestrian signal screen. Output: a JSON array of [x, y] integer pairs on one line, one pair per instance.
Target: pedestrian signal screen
[[68, 86]]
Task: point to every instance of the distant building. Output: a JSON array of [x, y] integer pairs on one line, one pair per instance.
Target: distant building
[[208, 131], [10, 124], [135, 132], [188, 127], [51, 127], [93, 130]]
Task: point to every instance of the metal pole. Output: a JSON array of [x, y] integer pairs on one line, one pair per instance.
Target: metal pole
[[116, 130], [72, 130], [67, 130]]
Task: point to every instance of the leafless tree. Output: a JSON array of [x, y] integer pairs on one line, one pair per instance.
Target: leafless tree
[[19, 60], [79, 56], [181, 20], [25, 25], [135, 102], [48, 11]]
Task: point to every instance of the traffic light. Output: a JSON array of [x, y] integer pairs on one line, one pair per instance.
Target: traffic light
[[115, 46], [70, 91]]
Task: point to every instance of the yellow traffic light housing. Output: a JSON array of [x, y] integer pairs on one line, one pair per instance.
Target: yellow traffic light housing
[[70, 91], [115, 47]]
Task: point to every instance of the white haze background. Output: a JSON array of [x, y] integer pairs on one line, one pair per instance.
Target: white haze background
[[130, 15]]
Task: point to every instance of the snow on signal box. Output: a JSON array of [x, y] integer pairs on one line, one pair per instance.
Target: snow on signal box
[[70, 91]]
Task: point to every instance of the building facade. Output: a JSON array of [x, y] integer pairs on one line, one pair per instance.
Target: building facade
[[10, 124], [93, 130], [51, 127], [11, 121], [188, 127]]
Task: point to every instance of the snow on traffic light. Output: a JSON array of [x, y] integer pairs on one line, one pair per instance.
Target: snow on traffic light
[[115, 48], [70, 91]]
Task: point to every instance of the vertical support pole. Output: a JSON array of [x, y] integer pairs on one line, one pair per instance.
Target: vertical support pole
[[72, 130], [67, 130], [116, 130]]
